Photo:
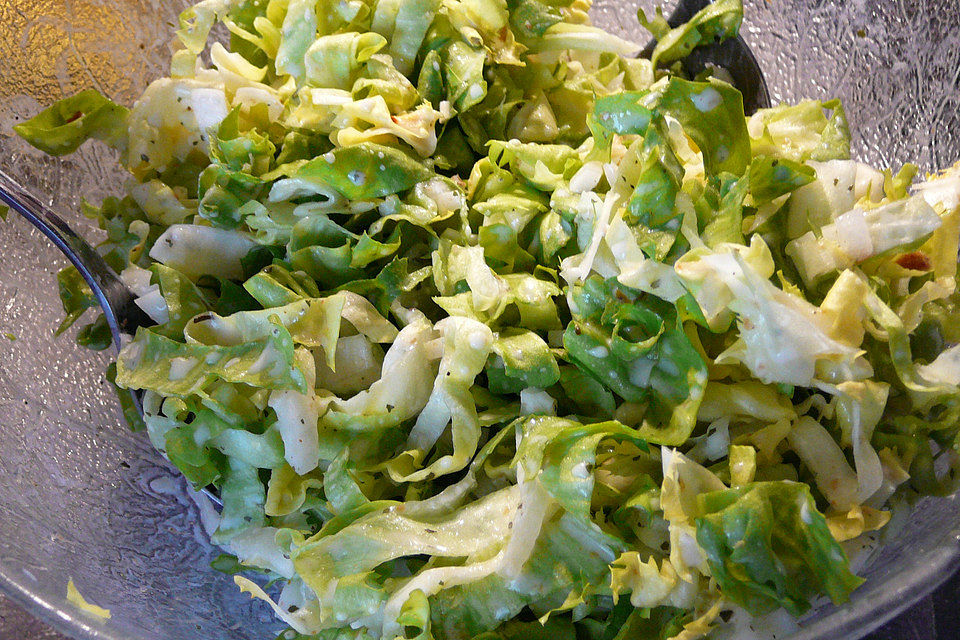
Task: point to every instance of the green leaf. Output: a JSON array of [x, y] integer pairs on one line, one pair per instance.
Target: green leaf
[[96, 335], [636, 347], [430, 84], [365, 170], [368, 250], [562, 453], [711, 113], [65, 125], [531, 18], [623, 113], [587, 393], [334, 60], [186, 447], [394, 280], [382, 79], [131, 413], [75, 296], [415, 617], [653, 172], [543, 166], [555, 628], [340, 486], [182, 297], [230, 565], [239, 150], [809, 130], [297, 33], [716, 22], [242, 495], [727, 224], [129, 233], [768, 546], [324, 250], [527, 362], [275, 286], [259, 258], [463, 74], [404, 25], [196, 21], [557, 564], [771, 178], [223, 192], [160, 364]]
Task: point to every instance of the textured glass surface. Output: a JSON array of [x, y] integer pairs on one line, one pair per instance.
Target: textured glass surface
[[81, 496]]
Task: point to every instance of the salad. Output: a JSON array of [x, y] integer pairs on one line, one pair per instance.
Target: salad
[[483, 327]]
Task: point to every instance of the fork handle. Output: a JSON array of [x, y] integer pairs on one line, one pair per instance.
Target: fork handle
[[115, 299]]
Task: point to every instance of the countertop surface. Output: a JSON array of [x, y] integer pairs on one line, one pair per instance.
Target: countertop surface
[[936, 617]]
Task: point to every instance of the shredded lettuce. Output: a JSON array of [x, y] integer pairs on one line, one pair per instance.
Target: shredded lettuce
[[484, 329], [768, 546], [714, 23], [67, 124]]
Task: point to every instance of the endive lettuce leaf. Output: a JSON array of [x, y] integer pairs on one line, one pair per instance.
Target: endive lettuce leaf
[[67, 124], [716, 22], [767, 546]]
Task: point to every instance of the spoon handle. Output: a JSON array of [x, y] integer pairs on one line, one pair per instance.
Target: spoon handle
[[114, 298]]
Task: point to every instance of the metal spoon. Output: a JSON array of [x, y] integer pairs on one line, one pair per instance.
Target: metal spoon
[[733, 55], [115, 299]]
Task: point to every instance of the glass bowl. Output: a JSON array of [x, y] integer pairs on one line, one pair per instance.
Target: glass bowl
[[83, 497]]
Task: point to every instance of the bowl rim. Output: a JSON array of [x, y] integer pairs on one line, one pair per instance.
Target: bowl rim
[[854, 620], [61, 617]]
